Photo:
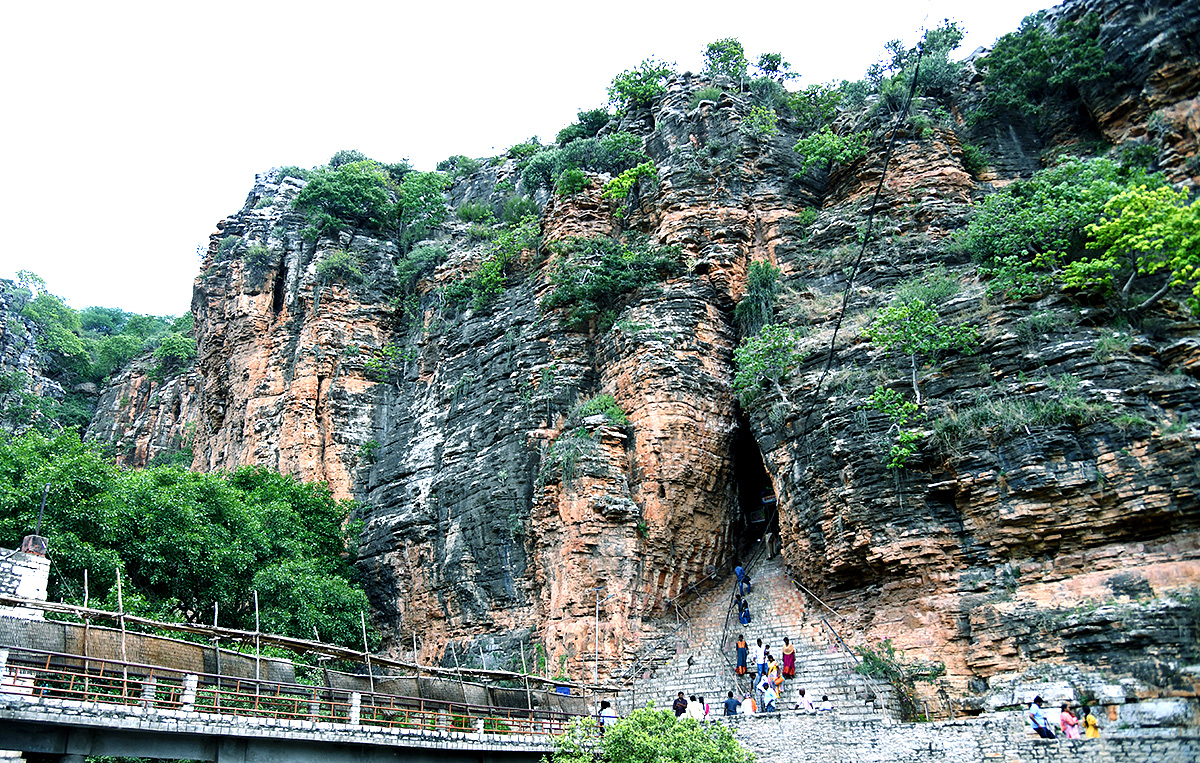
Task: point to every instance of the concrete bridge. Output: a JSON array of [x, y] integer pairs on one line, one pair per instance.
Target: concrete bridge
[[68, 706]]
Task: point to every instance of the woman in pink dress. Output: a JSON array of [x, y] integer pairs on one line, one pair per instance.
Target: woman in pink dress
[[1069, 723], [789, 659]]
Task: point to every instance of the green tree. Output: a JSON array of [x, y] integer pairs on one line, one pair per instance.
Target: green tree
[[353, 196], [184, 540], [763, 361], [825, 148], [587, 125], [725, 58], [421, 205], [1143, 231], [773, 66], [173, 355], [913, 328], [638, 87], [649, 735], [900, 413]]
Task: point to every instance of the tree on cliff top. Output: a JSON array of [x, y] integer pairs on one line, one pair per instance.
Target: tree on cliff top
[[353, 195], [650, 735]]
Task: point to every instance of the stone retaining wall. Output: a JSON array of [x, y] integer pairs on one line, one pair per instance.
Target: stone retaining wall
[[999, 737], [23, 575]]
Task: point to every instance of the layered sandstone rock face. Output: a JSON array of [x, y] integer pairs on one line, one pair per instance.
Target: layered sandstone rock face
[[496, 515]]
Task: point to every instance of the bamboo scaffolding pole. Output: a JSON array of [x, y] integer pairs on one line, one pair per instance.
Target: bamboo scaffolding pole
[[300, 646]]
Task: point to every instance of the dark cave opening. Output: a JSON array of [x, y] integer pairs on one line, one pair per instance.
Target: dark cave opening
[[756, 513], [279, 289]]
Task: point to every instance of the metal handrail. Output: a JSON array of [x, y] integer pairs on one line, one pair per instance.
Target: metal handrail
[[853, 656], [52, 675]]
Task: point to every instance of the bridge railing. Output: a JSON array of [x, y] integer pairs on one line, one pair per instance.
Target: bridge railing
[[37, 675]]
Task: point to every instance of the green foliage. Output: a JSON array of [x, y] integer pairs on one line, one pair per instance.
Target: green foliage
[[815, 107], [757, 308], [772, 66], [594, 274], [913, 328], [638, 87], [612, 154], [339, 266], [1143, 231], [173, 354], [562, 459], [825, 148], [488, 282], [475, 212], [59, 328], [420, 205], [588, 125], [186, 540], [620, 186], [999, 413], [886, 663], [649, 735], [725, 58], [605, 405], [706, 93], [1045, 227], [1029, 69], [761, 123], [571, 181], [292, 171], [892, 79], [259, 259], [900, 413], [763, 361], [228, 245], [517, 208], [351, 196], [459, 165], [344, 157], [523, 151], [974, 161], [933, 287], [769, 94]]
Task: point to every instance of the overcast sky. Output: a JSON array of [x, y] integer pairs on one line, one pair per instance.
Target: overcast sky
[[132, 128]]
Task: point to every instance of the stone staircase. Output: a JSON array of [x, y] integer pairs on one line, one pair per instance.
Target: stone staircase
[[693, 660]]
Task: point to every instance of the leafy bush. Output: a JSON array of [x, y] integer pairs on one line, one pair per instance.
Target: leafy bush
[[933, 287], [769, 94], [649, 735], [815, 107], [761, 123], [459, 166], [974, 160], [612, 154], [900, 413], [258, 259], [571, 181], [638, 87], [418, 263], [475, 212], [228, 245], [1029, 68], [998, 413], [620, 186], [763, 361], [594, 274], [517, 208], [725, 58], [773, 67], [706, 93], [351, 196], [587, 125], [757, 308], [488, 282], [421, 205], [605, 405], [174, 354], [825, 148], [523, 151], [344, 157], [885, 662], [339, 266]]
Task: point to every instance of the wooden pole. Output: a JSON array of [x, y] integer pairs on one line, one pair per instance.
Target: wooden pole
[[217, 653], [257, 653], [367, 650], [461, 685], [121, 617], [86, 623], [525, 675]]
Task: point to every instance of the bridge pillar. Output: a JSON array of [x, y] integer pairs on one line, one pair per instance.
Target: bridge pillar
[[355, 707], [149, 689], [314, 706], [187, 700]]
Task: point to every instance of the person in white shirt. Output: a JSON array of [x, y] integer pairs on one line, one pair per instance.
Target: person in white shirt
[[694, 709], [748, 705]]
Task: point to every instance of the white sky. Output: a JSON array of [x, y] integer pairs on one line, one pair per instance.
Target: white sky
[[132, 128]]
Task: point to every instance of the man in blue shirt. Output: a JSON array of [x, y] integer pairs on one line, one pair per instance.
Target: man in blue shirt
[[731, 705]]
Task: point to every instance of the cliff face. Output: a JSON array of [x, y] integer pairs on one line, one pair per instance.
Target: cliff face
[[496, 513]]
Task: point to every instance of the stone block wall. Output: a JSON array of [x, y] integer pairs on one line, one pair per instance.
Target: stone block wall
[[26, 576], [827, 738]]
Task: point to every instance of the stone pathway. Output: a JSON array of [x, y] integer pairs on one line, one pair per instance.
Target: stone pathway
[[695, 662]]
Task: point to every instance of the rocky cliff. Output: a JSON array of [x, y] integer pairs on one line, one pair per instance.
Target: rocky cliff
[[498, 511]]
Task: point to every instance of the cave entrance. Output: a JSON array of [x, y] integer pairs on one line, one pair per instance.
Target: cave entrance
[[756, 514]]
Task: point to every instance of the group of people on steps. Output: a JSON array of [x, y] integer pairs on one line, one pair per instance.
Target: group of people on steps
[[1073, 726]]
